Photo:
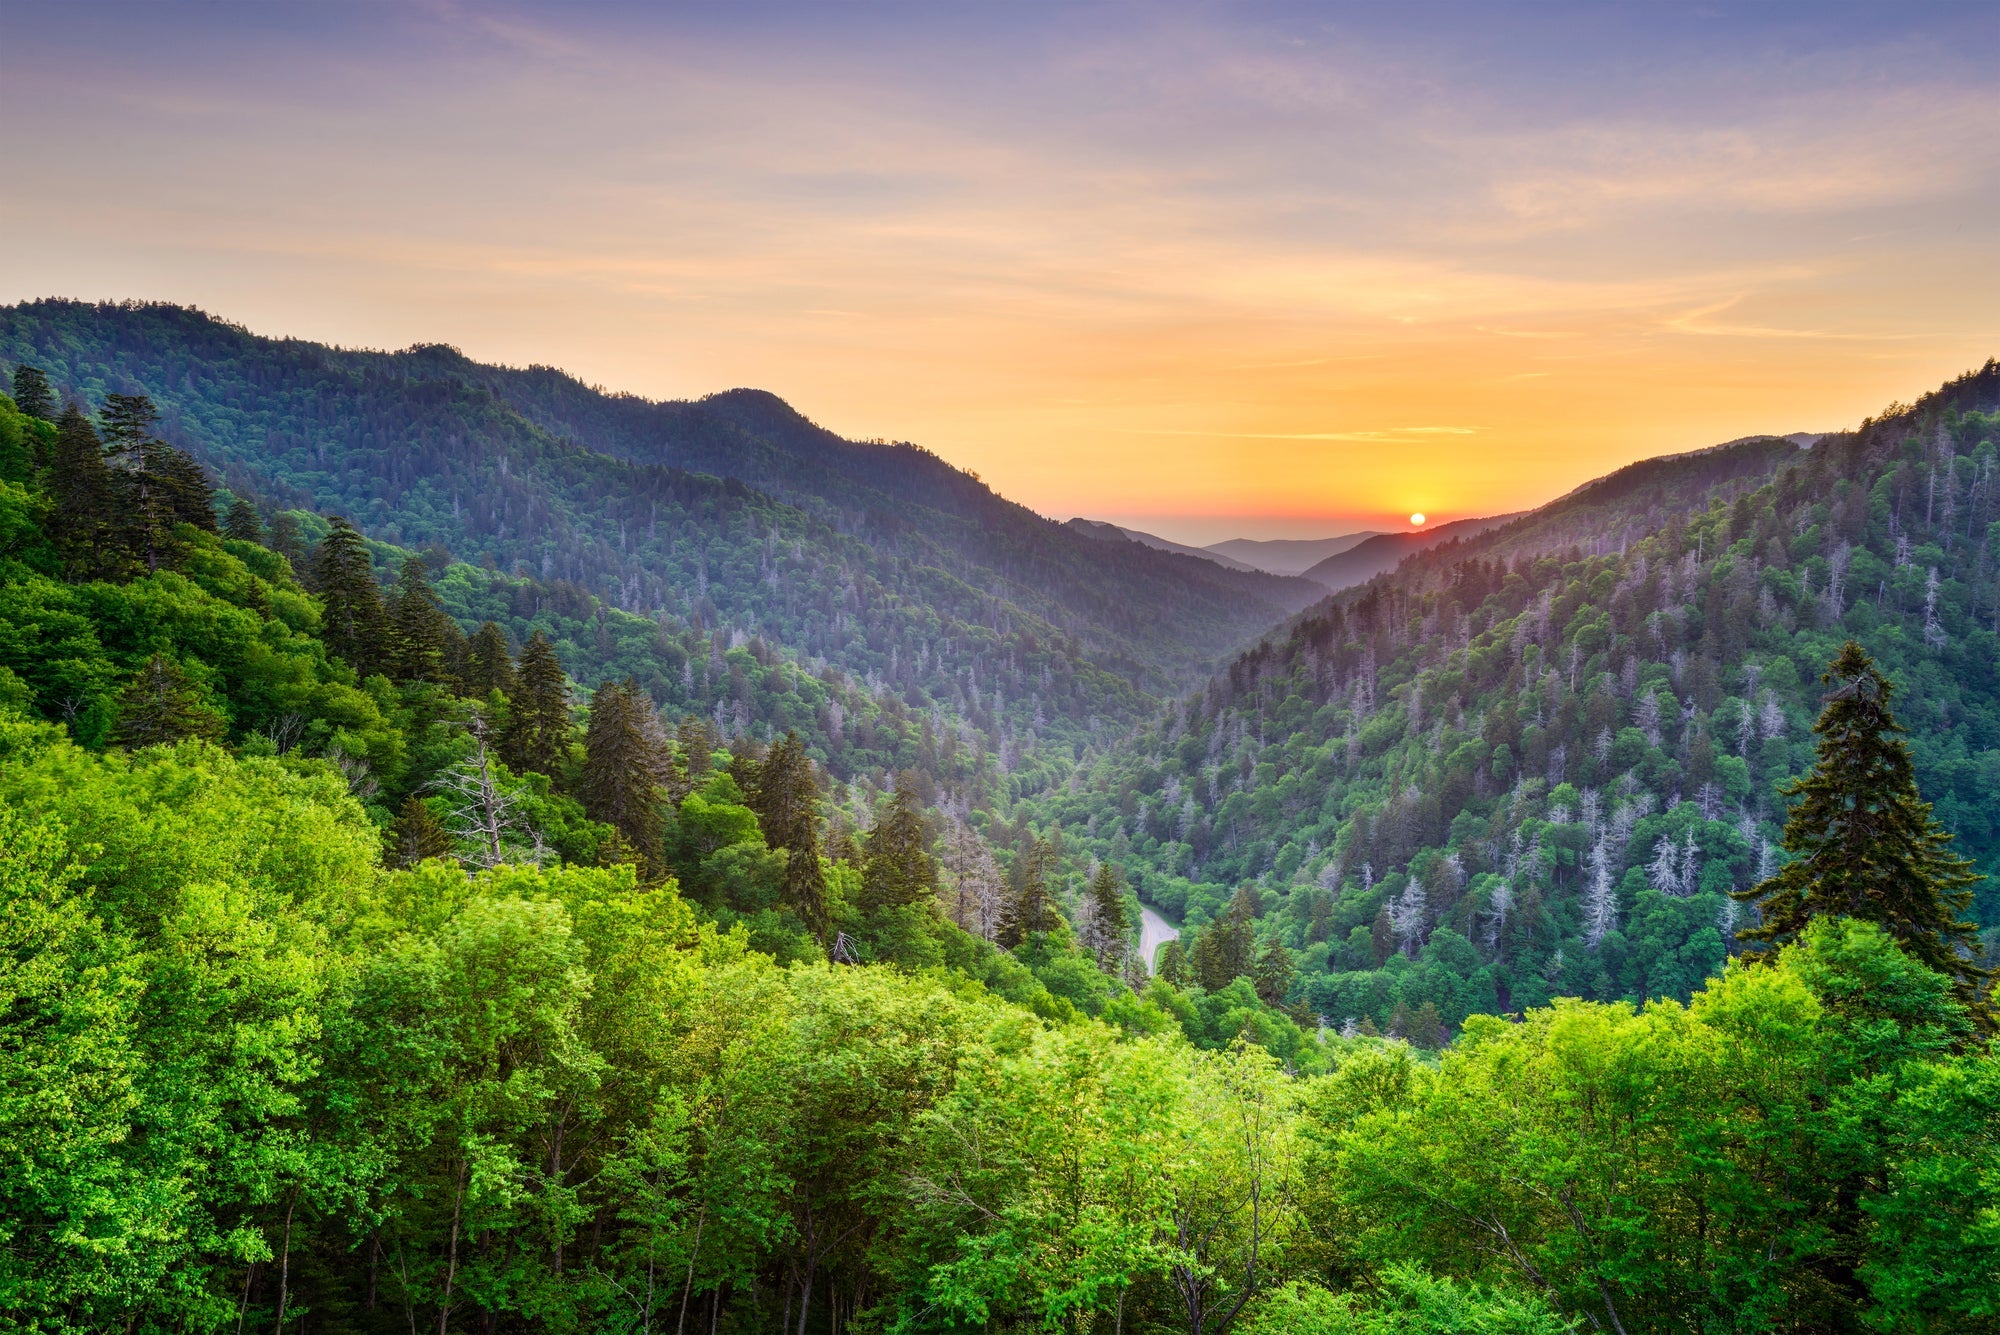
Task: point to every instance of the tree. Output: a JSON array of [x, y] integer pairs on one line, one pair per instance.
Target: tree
[[537, 733], [286, 542], [161, 707], [786, 800], [1033, 911], [896, 868], [163, 485], [32, 394], [1226, 949], [242, 524], [1109, 920], [483, 813], [420, 632], [1863, 842], [416, 835], [623, 764], [343, 575], [488, 664], [1272, 973], [85, 500]]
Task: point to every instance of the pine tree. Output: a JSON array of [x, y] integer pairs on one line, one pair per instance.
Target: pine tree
[[242, 523], [896, 868], [622, 767], [1272, 973], [163, 486], [420, 635], [488, 664], [1033, 911], [416, 835], [32, 393], [84, 512], [160, 706], [1107, 910], [538, 723], [1863, 841], [343, 575], [1173, 966], [786, 800], [286, 541]]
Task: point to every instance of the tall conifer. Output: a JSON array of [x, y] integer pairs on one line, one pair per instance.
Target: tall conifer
[[32, 393], [622, 762], [896, 868], [160, 706], [1032, 911], [420, 632], [1107, 905], [286, 541], [242, 524], [488, 664], [343, 575], [416, 835], [83, 515], [786, 800], [538, 725], [1863, 841]]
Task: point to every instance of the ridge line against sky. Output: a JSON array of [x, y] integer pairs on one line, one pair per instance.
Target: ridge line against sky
[[1209, 271]]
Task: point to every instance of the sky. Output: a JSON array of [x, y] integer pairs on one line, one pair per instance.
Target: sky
[[1210, 270]]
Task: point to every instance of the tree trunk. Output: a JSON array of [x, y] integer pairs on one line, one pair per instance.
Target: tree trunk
[[285, 1264], [451, 1261]]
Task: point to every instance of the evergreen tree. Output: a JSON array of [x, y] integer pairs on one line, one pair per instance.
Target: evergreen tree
[[1863, 842], [1107, 904], [896, 868], [421, 633], [32, 394], [1173, 966], [84, 511], [786, 800], [1226, 950], [538, 724], [1032, 911], [242, 523], [622, 765], [286, 541], [343, 575], [416, 835], [488, 664], [1273, 971], [160, 706], [163, 486]]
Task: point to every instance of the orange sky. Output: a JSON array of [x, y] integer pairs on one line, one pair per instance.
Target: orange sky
[[1213, 272]]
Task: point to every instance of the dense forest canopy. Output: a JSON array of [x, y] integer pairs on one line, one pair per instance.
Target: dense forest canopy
[[400, 940]]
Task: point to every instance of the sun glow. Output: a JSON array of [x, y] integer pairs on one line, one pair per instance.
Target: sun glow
[[1417, 520]]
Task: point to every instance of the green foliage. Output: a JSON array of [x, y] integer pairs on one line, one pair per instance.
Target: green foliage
[[1558, 747], [1863, 842]]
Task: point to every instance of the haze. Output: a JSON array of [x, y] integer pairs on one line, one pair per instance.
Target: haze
[[1212, 271]]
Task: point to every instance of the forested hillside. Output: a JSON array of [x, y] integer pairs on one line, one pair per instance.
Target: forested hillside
[[733, 512], [1533, 764], [365, 970]]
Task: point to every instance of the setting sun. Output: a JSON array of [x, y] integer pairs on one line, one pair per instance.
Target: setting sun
[[1417, 520]]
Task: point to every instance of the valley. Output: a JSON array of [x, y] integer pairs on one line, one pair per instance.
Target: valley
[[629, 835]]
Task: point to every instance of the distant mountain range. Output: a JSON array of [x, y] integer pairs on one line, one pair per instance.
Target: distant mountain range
[[1287, 556], [1385, 551], [1100, 529]]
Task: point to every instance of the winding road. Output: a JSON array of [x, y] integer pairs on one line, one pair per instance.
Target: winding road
[[1154, 932]]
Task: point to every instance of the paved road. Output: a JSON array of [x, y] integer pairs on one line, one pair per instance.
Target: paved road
[[1154, 932]]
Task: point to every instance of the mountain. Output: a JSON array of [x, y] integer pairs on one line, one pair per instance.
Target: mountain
[[1098, 528], [1371, 556], [1529, 763], [733, 516], [1287, 556]]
